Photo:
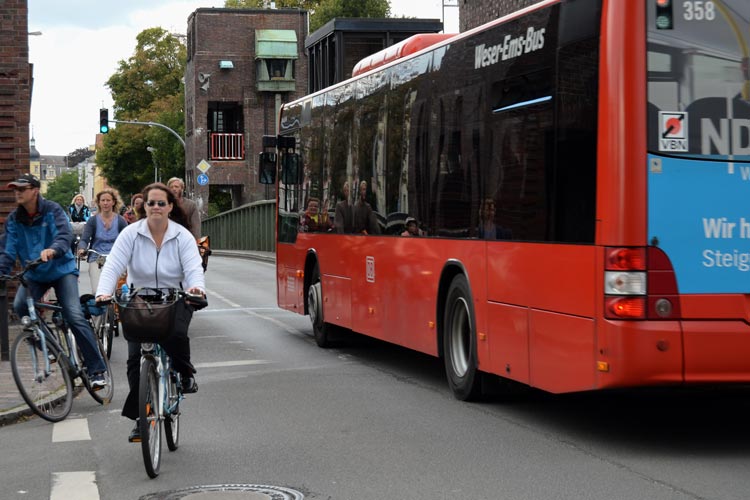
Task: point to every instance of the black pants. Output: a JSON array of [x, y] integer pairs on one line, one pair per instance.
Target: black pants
[[178, 348]]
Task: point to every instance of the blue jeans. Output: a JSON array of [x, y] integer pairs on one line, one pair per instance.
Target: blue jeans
[[66, 290]]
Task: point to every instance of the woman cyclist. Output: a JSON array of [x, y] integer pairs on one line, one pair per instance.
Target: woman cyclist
[[101, 231], [158, 252]]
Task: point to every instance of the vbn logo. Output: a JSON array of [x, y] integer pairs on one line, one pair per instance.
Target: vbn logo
[[673, 130]]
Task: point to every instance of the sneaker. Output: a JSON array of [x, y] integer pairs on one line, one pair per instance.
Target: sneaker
[[135, 434], [189, 386], [98, 381]]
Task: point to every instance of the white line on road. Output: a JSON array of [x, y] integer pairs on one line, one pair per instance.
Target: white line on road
[[73, 429], [242, 362], [80, 485], [238, 309], [233, 304]]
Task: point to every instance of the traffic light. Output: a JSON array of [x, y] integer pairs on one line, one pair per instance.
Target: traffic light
[[104, 120], [664, 19]]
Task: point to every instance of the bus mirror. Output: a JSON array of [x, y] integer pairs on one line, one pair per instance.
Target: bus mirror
[[267, 168], [291, 171]]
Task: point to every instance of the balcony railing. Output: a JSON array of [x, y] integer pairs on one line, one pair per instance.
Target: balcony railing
[[226, 146]]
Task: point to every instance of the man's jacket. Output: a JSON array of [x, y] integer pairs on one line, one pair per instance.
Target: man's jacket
[[25, 238]]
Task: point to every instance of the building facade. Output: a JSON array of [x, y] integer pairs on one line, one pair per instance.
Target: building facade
[[242, 65], [15, 98], [473, 13]]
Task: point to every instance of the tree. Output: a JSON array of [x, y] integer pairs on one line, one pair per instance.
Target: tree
[[77, 156], [63, 188], [330, 9], [147, 87]]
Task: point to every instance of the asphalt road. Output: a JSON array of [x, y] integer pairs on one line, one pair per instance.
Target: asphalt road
[[367, 420]]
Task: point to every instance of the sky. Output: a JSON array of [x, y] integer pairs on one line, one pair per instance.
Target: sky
[[82, 41]]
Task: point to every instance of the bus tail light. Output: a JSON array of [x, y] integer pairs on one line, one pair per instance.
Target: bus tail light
[[639, 283], [626, 307]]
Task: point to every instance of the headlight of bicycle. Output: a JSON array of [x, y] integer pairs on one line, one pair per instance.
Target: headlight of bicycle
[[26, 321], [147, 347]]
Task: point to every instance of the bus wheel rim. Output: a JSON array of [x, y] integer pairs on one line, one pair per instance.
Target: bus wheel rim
[[460, 337]]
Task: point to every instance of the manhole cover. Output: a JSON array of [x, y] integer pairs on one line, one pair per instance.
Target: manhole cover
[[228, 491]]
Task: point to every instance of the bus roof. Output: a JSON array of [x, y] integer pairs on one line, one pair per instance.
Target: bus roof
[[404, 48]]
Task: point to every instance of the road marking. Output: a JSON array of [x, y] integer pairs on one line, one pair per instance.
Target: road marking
[[238, 309], [80, 485], [72, 429], [242, 362], [233, 304]]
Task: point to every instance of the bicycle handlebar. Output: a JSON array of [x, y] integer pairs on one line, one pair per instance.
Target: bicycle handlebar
[[32, 264], [197, 302]]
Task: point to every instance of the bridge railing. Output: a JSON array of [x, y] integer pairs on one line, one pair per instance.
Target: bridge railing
[[248, 227]]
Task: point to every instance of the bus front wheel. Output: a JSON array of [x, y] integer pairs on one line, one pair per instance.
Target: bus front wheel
[[321, 329], [459, 342]]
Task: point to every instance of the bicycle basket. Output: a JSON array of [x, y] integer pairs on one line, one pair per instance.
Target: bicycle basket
[[146, 319]]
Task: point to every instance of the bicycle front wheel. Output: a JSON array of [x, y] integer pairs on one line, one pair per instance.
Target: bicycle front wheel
[[172, 418], [104, 394], [148, 421], [48, 394]]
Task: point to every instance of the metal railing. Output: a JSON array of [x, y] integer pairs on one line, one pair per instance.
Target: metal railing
[[249, 227], [226, 146]]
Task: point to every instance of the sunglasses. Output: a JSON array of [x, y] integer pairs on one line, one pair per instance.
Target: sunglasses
[[21, 189], [161, 203]]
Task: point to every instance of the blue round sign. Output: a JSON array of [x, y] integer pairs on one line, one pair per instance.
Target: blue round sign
[[202, 179]]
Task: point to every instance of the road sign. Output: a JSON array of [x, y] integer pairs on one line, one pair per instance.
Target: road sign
[[203, 166], [202, 179]]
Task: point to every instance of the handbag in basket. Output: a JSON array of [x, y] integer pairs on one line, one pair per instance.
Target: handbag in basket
[[145, 320]]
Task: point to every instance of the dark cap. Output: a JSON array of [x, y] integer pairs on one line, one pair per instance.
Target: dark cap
[[26, 180]]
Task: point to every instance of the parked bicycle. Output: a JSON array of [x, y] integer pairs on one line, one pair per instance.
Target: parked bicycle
[[106, 324], [45, 360], [148, 316]]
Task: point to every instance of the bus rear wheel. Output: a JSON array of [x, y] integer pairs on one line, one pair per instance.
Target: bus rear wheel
[[321, 329], [459, 342]]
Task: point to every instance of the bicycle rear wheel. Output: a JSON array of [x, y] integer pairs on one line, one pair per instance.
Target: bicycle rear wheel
[[148, 421], [49, 395], [172, 419]]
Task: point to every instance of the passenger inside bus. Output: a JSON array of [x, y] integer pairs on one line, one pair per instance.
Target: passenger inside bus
[[412, 228], [343, 219], [488, 230], [313, 220], [365, 221]]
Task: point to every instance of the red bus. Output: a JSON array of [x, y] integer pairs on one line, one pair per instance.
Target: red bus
[[575, 178]]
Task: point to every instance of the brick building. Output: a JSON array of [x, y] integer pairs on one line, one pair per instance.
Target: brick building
[[242, 65], [473, 13], [15, 97]]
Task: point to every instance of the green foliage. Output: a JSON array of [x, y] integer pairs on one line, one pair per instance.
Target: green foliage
[[63, 188], [77, 156], [221, 201], [330, 9], [322, 11], [146, 88]]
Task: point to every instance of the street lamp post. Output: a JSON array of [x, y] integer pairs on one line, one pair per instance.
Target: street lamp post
[[153, 157]]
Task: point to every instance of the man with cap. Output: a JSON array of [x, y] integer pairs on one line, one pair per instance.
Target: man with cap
[[39, 228]]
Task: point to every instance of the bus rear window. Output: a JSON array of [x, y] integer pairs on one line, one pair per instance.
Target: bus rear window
[[699, 79]]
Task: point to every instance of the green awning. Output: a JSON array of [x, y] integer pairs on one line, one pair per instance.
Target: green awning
[[276, 44]]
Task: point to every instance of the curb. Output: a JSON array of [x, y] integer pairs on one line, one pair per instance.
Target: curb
[[245, 254]]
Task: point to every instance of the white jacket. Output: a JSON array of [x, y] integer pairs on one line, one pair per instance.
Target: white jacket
[[176, 265]]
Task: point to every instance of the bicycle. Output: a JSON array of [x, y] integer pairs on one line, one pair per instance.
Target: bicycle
[[105, 325], [45, 361], [160, 387]]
